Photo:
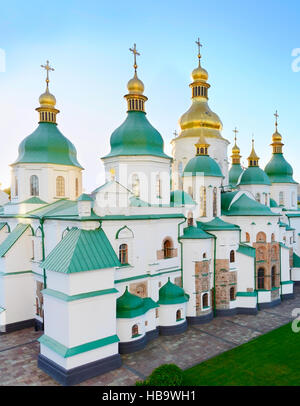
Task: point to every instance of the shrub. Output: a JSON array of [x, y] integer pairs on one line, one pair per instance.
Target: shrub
[[165, 375]]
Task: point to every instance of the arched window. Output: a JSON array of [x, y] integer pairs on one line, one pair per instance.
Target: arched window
[[190, 219], [261, 278], [261, 237], [232, 256], [135, 185], [16, 187], [123, 254], [190, 191], [34, 185], [158, 186], [215, 212], [205, 300], [273, 276], [247, 237], [203, 201], [272, 237], [293, 199], [232, 293], [204, 255], [168, 249], [135, 330], [32, 245], [281, 199], [257, 197], [60, 186], [178, 315], [76, 187]]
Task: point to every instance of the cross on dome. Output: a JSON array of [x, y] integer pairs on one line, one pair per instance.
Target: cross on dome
[[135, 53]]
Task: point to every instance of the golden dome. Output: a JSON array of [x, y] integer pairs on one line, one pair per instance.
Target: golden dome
[[47, 99], [199, 74], [276, 137], [135, 85]]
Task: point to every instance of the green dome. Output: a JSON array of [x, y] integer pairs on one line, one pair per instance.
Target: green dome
[[47, 145], [202, 164], [129, 305], [136, 136], [172, 294], [180, 198], [279, 170], [234, 174], [254, 175]]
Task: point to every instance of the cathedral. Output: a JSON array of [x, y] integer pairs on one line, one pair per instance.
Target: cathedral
[[164, 243]]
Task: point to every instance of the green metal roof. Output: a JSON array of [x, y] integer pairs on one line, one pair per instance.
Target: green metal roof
[[246, 250], [279, 170], [217, 224], [296, 261], [172, 294], [180, 198], [234, 174], [129, 305], [137, 202], [12, 238], [81, 250], [34, 200], [202, 165], [84, 198], [47, 145], [2, 224], [136, 136], [273, 203], [194, 233], [254, 175], [243, 206]]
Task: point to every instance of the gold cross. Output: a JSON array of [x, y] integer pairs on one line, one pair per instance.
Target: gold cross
[[235, 133], [199, 46], [48, 68], [135, 53], [276, 117]]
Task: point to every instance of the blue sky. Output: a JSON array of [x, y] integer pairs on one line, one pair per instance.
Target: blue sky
[[247, 50]]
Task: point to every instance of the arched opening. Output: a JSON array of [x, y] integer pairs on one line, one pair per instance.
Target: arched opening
[[215, 212], [281, 199], [60, 186], [273, 276], [247, 237], [178, 315], [205, 300], [123, 254], [135, 185], [272, 237], [76, 187], [202, 201], [190, 219], [257, 197], [261, 237], [16, 187], [204, 255], [261, 278], [232, 256], [135, 330], [232, 293], [168, 249], [34, 185], [158, 186]]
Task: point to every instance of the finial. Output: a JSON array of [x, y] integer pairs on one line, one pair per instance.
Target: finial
[[48, 68], [199, 49], [235, 133], [276, 122], [135, 53]]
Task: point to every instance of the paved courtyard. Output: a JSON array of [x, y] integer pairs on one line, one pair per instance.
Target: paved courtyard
[[19, 350]]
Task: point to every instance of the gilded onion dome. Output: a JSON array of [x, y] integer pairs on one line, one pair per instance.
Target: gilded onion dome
[[236, 169], [278, 169], [47, 144], [199, 115], [136, 136]]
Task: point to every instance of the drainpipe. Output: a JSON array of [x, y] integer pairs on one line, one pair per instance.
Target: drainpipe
[[280, 271], [181, 250], [215, 251]]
